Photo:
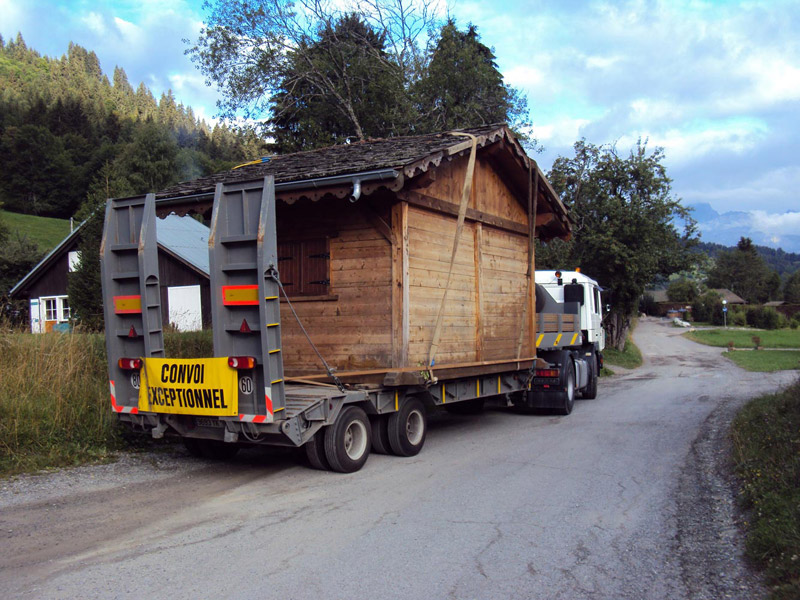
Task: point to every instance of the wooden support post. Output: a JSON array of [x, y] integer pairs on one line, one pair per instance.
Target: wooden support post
[[400, 287], [478, 291]]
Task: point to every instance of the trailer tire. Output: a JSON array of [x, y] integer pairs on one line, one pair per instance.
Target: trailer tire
[[569, 385], [590, 391], [408, 428], [211, 449], [380, 434], [315, 451], [348, 440]]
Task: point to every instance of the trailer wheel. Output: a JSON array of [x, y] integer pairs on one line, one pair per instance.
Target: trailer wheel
[[211, 449], [407, 428], [590, 391], [569, 385], [380, 434], [315, 451], [348, 440]]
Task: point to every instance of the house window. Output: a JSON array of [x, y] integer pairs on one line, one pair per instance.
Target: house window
[[56, 309], [51, 309], [304, 267], [73, 258]]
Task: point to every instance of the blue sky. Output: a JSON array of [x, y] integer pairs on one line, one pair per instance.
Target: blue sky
[[716, 83]]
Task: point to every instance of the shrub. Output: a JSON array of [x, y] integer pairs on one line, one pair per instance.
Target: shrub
[[764, 317], [737, 318]]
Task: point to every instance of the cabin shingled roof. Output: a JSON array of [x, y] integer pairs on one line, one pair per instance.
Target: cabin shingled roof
[[358, 157]]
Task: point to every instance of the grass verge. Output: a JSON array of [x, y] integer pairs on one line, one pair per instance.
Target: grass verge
[[766, 361], [630, 358], [741, 338], [766, 438], [54, 398]]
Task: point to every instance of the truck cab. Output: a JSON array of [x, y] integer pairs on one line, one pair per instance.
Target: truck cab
[[561, 286]]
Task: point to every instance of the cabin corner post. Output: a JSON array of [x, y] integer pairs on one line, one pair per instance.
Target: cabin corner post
[[533, 201], [400, 283], [478, 291]]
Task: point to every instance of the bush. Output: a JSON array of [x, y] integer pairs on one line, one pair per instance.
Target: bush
[[708, 307], [737, 318], [765, 317]]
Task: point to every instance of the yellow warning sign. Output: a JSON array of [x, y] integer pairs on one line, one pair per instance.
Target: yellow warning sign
[[201, 386]]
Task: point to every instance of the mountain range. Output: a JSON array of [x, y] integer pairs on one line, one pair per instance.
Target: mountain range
[[729, 227]]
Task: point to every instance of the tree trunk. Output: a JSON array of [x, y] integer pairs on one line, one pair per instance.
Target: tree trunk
[[617, 328]]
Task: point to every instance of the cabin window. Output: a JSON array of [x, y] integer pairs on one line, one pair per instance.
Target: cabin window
[[304, 267]]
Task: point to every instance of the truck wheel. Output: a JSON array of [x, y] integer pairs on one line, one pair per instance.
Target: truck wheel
[[407, 428], [466, 407], [380, 434], [211, 449], [348, 440], [569, 385], [590, 391], [315, 451]]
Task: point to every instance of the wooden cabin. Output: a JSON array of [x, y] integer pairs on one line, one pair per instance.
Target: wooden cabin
[[366, 233]]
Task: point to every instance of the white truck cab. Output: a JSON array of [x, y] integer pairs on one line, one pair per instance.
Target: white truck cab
[[591, 308]]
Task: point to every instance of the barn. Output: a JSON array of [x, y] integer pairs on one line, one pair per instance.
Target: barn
[[403, 252]]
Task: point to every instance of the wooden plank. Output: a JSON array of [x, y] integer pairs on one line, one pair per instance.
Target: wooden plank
[[436, 204], [479, 308], [443, 372]]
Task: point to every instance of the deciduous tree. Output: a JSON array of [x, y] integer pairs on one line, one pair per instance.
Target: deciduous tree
[[624, 232]]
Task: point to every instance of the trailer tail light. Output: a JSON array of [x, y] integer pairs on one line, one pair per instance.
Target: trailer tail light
[[130, 364], [242, 362], [547, 372]]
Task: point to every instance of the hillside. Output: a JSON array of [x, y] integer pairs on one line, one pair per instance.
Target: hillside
[[45, 232], [67, 130], [784, 263]]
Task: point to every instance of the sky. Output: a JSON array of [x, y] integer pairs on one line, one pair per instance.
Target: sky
[[716, 83]]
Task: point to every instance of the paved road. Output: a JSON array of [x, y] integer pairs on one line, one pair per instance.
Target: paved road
[[622, 499]]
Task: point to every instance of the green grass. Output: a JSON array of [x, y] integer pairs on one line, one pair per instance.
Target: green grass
[[766, 437], [766, 361], [47, 233], [54, 399], [630, 358], [743, 338]]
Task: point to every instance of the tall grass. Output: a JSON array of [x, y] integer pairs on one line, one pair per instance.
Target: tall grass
[[54, 401], [55, 408]]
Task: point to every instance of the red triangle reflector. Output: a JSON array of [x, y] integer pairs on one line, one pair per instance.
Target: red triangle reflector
[[132, 333], [245, 328]]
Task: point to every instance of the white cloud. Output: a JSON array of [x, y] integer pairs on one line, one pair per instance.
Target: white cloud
[[95, 22], [775, 224]]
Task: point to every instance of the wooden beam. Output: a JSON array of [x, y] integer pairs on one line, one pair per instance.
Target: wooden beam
[[376, 220], [478, 291], [400, 285], [425, 201]]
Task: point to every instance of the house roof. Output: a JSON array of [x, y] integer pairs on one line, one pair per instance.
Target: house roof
[[408, 157], [186, 238], [183, 237], [729, 296]]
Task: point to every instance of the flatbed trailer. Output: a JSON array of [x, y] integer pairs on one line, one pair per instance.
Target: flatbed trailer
[[242, 396]]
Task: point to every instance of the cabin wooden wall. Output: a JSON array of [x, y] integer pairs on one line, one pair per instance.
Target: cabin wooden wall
[[351, 326], [484, 310]]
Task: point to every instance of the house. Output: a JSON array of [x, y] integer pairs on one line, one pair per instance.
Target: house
[[183, 264], [366, 233]]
